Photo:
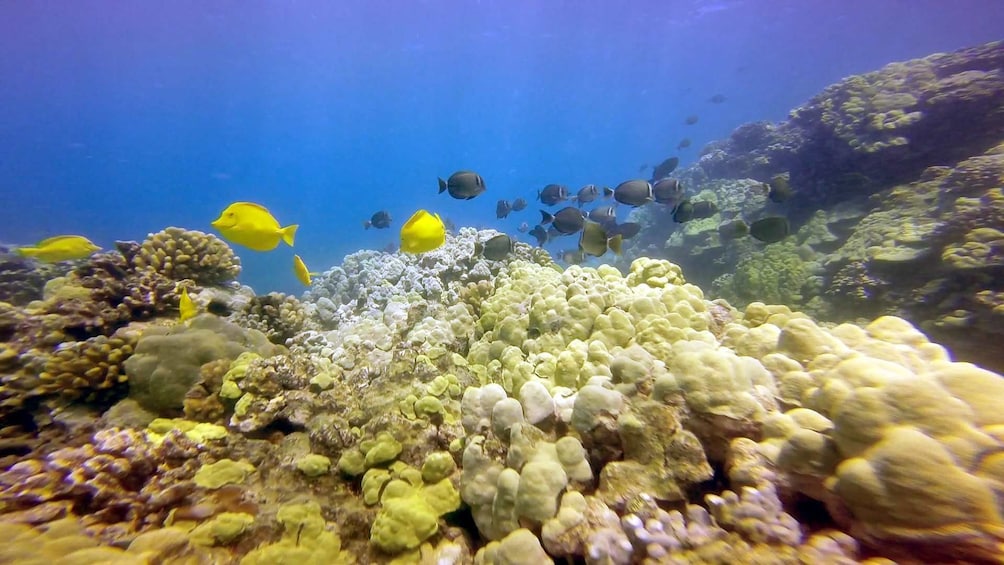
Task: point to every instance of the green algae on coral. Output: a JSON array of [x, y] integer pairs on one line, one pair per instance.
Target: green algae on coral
[[306, 540], [199, 432], [223, 472], [222, 529], [313, 465]]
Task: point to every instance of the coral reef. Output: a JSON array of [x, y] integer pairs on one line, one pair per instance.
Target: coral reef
[[579, 414], [896, 209], [167, 360], [74, 338], [67, 541], [874, 130], [447, 408], [119, 480], [367, 280], [23, 280]]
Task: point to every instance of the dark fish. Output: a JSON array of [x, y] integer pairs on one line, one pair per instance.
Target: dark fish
[[684, 143], [567, 220], [552, 194], [390, 247], [463, 185], [690, 210], [496, 248], [666, 167], [587, 194], [691, 119], [553, 233], [684, 212], [771, 229], [719, 98], [540, 233], [633, 192], [518, 204], [733, 229], [595, 241], [641, 169], [380, 220], [627, 230], [573, 256], [523, 227], [502, 209], [779, 189], [591, 192], [704, 209], [604, 214], [668, 191]]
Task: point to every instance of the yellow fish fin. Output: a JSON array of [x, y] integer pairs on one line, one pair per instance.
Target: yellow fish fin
[[59, 238], [288, 233], [250, 205]]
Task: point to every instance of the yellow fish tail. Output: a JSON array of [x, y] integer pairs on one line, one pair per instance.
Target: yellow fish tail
[[27, 251], [288, 233]]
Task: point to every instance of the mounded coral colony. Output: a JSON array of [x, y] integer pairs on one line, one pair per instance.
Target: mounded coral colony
[[451, 409]]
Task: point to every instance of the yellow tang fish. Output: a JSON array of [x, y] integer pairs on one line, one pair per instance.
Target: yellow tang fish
[[422, 232], [300, 268], [186, 306], [60, 248], [253, 226]]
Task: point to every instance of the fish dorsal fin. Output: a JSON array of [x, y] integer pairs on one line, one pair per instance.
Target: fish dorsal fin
[[56, 239], [415, 218], [254, 205]]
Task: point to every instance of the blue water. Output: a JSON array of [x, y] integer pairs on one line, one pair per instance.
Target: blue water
[[121, 118]]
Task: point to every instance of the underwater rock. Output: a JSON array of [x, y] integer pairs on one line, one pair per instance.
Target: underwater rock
[[921, 238], [874, 130]]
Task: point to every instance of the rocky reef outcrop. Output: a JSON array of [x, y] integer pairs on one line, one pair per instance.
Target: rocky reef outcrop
[[896, 207], [872, 131]]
